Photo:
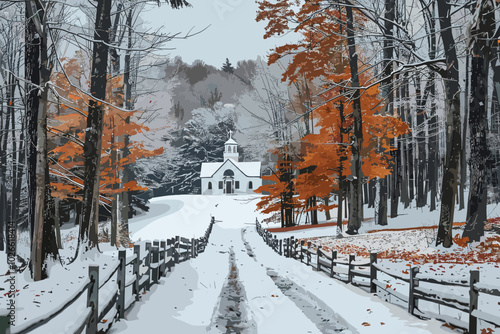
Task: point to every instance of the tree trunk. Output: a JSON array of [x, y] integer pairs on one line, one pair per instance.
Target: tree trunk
[[382, 203], [39, 74], [93, 135], [3, 164], [421, 154], [453, 131], [476, 207], [478, 123], [32, 74], [327, 211], [114, 205], [128, 175], [357, 138], [405, 198], [57, 222], [463, 156], [433, 136], [396, 179], [372, 192], [339, 208]]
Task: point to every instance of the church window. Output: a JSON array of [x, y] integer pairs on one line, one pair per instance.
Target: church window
[[237, 184], [250, 185], [228, 172], [221, 184], [209, 185]]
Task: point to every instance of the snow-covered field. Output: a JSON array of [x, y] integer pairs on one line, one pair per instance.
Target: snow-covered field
[[241, 284]]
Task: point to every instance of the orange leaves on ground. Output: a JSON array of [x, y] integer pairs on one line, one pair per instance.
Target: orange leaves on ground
[[459, 241], [366, 324]]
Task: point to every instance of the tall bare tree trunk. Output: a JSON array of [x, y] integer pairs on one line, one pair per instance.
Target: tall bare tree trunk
[[93, 135], [32, 74], [421, 147], [482, 32], [357, 138], [128, 174], [463, 156], [453, 124], [3, 188]]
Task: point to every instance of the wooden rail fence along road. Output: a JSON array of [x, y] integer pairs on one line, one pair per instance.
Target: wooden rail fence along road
[[419, 288], [159, 258]]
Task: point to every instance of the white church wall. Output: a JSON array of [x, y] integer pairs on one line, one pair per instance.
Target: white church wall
[[218, 177]]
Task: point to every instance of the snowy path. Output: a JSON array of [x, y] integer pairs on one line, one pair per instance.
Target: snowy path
[[239, 285]]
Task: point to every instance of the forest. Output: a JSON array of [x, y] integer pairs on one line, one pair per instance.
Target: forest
[[400, 106], [384, 104]]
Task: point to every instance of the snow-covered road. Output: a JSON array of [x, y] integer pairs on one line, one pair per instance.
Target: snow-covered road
[[239, 285]]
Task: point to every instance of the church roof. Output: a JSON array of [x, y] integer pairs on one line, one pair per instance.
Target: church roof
[[250, 169], [231, 141]]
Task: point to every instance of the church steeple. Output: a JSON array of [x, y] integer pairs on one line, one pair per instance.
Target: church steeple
[[231, 149]]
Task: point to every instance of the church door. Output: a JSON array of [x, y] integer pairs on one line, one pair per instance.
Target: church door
[[229, 189]]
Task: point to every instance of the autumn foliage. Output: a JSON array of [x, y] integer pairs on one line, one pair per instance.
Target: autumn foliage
[[320, 61], [67, 130]]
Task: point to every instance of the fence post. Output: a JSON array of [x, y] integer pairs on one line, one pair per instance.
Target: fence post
[[318, 268], [163, 257], [473, 293], [281, 247], [301, 251], [373, 271], [349, 274], [176, 249], [413, 284], [120, 278], [156, 261], [93, 299], [334, 258], [308, 251], [192, 247], [5, 324], [137, 261], [148, 263]]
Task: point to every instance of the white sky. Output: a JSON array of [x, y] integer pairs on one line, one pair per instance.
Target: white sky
[[233, 31]]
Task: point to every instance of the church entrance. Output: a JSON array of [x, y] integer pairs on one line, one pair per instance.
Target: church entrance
[[228, 178]]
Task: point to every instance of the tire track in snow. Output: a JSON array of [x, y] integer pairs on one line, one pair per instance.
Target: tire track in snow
[[231, 315], [315, 309], [324, 317], [247, 245]]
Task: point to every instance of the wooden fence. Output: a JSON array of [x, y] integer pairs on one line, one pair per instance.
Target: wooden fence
[[367, 275], [159, 258]]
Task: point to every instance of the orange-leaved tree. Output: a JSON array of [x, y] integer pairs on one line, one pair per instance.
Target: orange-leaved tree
[[280, 190], [351, 128], [68, 135]]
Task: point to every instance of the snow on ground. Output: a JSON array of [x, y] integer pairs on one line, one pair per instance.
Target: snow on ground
[[409, 217], [400, 250], [189, 215], [273, 294], [239, 281]]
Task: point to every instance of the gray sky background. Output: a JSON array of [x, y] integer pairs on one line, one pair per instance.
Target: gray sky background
[[233, 31]]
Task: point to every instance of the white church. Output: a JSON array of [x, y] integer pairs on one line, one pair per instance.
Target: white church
[[230, 176]]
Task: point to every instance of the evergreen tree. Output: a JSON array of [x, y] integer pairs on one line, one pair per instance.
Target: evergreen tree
[[228, 67]]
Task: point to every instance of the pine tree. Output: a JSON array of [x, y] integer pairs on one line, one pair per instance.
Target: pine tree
[[227, 67]]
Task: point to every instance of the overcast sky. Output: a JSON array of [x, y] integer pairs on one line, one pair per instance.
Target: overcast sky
[[233, 31]]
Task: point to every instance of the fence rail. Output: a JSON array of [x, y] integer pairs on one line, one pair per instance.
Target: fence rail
[[158, 259], [366, 275]]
